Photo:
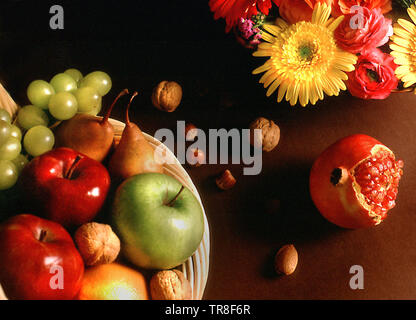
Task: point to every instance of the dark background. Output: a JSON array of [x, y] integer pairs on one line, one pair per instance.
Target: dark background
[[140, 43]]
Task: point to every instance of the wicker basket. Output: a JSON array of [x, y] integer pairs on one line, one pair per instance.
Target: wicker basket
[[197, 266]]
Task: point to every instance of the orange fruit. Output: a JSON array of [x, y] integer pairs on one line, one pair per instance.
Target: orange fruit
[[113, 281]]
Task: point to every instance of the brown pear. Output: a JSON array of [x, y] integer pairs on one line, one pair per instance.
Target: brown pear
[[134, 154], [88, 134]]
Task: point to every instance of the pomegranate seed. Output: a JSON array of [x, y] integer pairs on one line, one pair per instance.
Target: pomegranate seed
[[374, 171], [379, 178], [390, 204], [400, 164]]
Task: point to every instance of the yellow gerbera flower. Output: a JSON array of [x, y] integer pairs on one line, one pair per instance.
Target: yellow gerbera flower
[[305, 61], [403, 48]]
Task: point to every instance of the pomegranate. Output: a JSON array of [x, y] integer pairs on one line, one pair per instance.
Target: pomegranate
[[354, 183]]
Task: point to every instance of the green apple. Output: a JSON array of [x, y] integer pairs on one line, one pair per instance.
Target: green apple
[[160, 222]]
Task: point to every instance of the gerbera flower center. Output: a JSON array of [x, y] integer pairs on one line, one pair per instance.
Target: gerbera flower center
[[306, 51]]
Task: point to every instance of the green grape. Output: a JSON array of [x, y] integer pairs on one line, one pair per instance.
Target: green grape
[[10, 149], [30, 116], [39, 92], [88, 99], [99, 80], [75, 74], [63, 82], [16, 132], [63, 106], [4, 115], [38, 140], [8, 174], [96, 109], [20, 161], [5, 131]]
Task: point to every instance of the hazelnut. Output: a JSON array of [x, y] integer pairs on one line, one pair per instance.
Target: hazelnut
[[195, 157], [97, 243], [270, 134], [167, 96], [226, 180], [170, 285], [190, 132], [286, 260]]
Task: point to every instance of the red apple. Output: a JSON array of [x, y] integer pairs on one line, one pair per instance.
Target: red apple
[[66, 186], [39, 260]]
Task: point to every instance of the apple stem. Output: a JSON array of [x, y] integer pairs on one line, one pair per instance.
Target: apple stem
[[171, 202], [128, 107], [70, 171], [42, 235], [107, 116]]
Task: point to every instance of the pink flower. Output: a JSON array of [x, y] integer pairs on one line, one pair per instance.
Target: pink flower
[[373, 77], [363, 30]]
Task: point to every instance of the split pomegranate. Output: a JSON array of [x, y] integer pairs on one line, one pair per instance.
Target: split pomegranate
[[354, 183]]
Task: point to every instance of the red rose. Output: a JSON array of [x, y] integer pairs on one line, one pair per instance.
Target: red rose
[[363, 30], [373, 77]]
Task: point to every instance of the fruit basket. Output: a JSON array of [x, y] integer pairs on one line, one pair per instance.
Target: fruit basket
[[196, 267]]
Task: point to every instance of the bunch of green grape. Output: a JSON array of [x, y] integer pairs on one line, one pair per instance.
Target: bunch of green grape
[[11, 159], [66, 94]]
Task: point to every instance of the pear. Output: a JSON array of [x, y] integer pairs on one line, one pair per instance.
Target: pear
[[134, 154], [88, 134]]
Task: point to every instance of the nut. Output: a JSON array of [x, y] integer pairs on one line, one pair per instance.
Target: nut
[[170, 285], [190, 132], [97, 243], [167, 96], [286, 260], [195, 157], [226, 180], [270, 134]]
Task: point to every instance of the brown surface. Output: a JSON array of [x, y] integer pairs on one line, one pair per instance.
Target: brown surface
[[245, 237], [220, 92]]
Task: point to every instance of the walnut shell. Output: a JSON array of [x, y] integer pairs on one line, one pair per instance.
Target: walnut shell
[[167, 96], [286, 260], [226, 180], [270, 134], [97, 243], [170, 285]]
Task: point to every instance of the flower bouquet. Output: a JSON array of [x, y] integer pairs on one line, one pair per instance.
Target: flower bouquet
[[320, 47]]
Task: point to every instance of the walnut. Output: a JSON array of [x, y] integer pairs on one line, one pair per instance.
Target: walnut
[[270, 133], [167, 96], [97, 243], [226, 180], [170, 285]]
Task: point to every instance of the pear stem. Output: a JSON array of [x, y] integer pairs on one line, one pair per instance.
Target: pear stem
[[128, 107], [171, 202], [107, 116]]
